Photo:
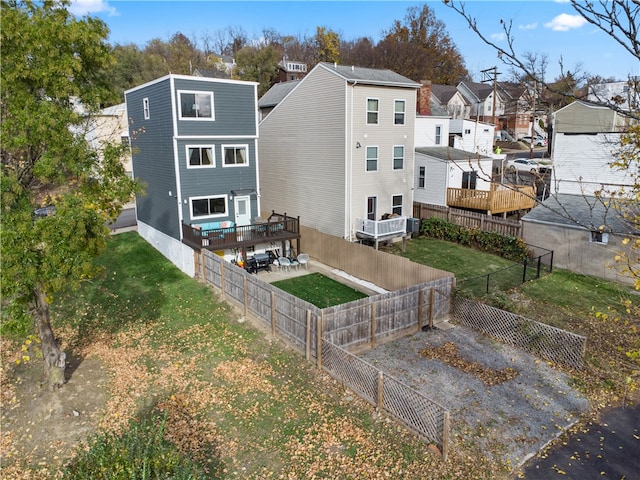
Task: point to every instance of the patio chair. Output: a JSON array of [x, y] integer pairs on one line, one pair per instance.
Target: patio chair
[[285, 263], [303, 260]]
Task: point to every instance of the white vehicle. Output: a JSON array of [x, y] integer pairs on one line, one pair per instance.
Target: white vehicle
[[538, 141], [523, 165]]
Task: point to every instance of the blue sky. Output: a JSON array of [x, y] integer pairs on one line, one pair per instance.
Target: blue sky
[[544, 26]]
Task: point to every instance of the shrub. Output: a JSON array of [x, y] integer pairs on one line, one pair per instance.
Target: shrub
[[141, 452]]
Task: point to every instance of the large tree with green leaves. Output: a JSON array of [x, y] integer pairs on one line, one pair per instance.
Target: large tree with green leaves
[[52, 81]]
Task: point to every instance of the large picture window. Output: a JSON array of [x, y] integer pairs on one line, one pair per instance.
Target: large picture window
[[196, 105], [200, 157], [372, 111], [203, 207], [398, 157], [235, 155], [372, 159]]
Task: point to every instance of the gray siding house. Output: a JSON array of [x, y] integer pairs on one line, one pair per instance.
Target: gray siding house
[[338, 148], [194, 146]]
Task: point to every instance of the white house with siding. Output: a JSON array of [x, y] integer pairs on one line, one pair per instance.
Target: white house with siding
[[340, 147], [440, 168], [585, 140]]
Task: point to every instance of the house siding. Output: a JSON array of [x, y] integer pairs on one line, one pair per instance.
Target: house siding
[[152, 154], [302, 154], [435, 184], [385, 182]]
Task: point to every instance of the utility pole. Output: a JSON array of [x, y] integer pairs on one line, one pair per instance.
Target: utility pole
[[533, 118], [487, 78]]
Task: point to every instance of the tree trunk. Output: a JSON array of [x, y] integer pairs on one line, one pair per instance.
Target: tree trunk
[[54, 358]]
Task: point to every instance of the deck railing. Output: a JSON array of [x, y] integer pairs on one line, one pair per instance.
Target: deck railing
[[494, 200], [381, 228], [281, 227]]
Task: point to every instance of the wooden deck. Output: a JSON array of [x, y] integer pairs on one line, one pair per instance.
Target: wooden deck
[[278, 229], [520, 197]]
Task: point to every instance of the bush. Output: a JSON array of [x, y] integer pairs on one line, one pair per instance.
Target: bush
[[511, 248], [141, 452]]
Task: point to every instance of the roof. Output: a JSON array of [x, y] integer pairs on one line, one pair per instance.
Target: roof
[[580, 212], [443, 93], [450, 154], [480, 90], [277, 93], [369, 76], [114, 110]]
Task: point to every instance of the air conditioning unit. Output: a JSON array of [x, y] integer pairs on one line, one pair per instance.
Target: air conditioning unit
[[413, 225]]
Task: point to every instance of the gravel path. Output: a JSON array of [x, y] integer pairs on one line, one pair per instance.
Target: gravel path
[[515, 418]]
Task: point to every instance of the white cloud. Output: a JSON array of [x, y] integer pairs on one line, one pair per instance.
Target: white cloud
[[87, 7], [565, 22], [529, 26], [498, 37]]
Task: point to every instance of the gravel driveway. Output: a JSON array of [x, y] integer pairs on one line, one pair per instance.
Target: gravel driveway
[[515, 418]]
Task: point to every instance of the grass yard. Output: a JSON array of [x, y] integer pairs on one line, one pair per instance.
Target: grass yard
[[191, 392], [319, 290]]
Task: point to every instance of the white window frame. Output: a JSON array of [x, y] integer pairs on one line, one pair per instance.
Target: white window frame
[[422, 176], [403, 112], [145, 108], [394, 206], [376, 111], [394, 158], [366, 158], [196, 92], [213, 156], [209, 197], [600, 238], [374, 201], [234, 146], [438, 136]]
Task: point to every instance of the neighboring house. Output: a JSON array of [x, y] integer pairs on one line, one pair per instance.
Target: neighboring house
[[432, 121], [480, 98], [518, 115], [448, 98], [584, 232], [441, 168], [585, 140], [472, 136], [274, 96], [111, 125], [338, 149], [194, 146], [289, 70], [625, 95]]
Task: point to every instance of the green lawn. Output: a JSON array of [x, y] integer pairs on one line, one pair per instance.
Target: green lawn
[[319, 290]]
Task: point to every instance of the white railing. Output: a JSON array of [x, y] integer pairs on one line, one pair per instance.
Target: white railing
[[381, 228]]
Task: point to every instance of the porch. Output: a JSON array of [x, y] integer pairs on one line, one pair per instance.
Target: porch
[[381, 230], [277, 229], [498, 199]]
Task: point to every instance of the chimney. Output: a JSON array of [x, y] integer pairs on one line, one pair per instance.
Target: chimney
[[423, 103]]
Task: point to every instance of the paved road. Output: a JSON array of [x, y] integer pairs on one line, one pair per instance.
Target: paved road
[[609, 449], [126, 220]]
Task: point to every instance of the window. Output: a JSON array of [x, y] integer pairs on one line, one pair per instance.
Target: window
[[235, 155], [371, 208], [398, 118], [200, 157], [372, 111], [599, 237], [396, 204], [372, 159], [202, 207], [196, 105], [398, 157], [467, 131], [145, 108], [438, 134], [422, 171], [469, 179]]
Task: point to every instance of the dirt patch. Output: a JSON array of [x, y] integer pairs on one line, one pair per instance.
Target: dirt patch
[[43, 425]]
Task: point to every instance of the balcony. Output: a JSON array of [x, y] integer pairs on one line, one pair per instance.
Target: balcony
[[496, 200], [278, 228], [381, 230]]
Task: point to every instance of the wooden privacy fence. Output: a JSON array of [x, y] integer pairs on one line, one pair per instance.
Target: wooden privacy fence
[[468, 219], [386, 270], [359, 324], [542, 340]]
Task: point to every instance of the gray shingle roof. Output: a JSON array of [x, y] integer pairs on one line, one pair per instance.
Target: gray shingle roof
[[443, 92], [450, 153], [276, 93], [371, 76], [580, 211]]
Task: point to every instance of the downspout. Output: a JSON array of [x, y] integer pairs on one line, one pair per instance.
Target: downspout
[[176, 163], [349, 172]]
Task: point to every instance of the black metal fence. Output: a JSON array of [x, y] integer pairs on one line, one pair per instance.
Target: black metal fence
[[517, 274]]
